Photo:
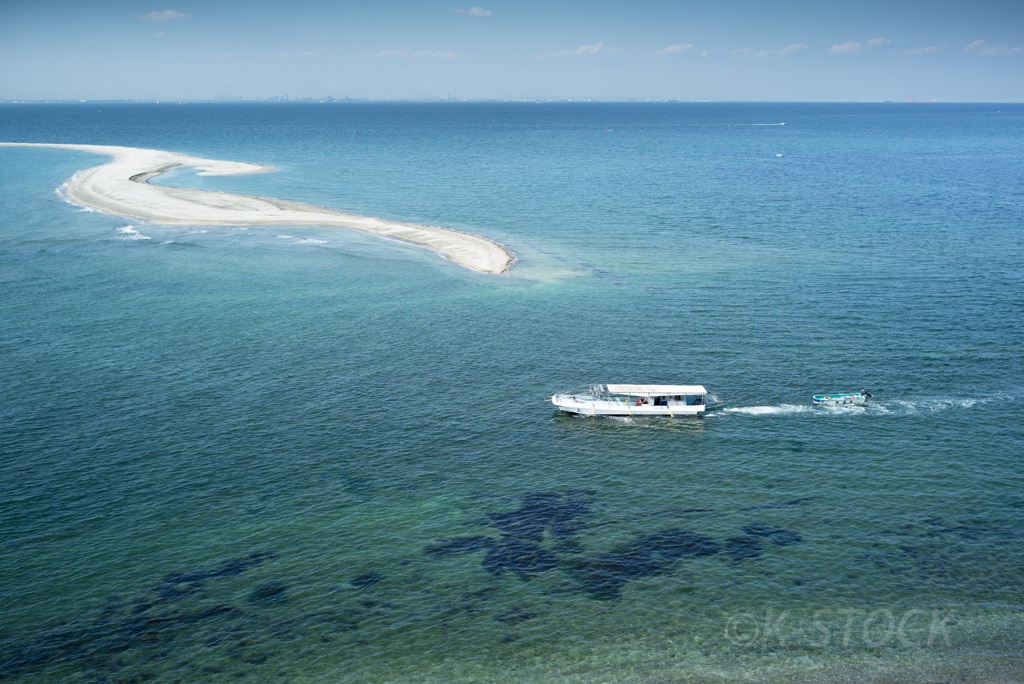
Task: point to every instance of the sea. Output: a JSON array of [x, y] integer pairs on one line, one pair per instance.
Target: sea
[[306, 454]]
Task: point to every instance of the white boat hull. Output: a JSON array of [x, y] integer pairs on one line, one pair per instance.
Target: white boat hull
[[589, 406]]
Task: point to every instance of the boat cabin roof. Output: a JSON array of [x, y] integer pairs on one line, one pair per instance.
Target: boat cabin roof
[[653, 390]]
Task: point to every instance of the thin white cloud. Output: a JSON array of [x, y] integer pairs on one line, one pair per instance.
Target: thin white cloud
[[929, 50], [591, 50], [164, 15], [674, 49], [474, 12], [845, 48], [856, 46], [420, 55], [793, 49], [751, 53], [983, 48]]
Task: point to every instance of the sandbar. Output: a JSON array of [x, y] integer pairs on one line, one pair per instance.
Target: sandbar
[[121, 187]]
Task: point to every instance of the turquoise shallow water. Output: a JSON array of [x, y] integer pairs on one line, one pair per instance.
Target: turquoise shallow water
[[309, 455]]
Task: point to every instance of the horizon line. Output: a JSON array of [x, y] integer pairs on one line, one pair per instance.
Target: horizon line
[[285, 100]]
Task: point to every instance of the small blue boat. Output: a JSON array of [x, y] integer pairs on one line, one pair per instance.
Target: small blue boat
[[842, 399]]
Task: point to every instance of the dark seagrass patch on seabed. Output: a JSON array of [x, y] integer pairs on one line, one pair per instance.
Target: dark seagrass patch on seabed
[[523, 532], [155, 616], [777, 535], [515, 616], [800, 501], [603, 576], [459, 545], [268, 593], [743, 547], [541, 535], [557, 514], [935, 547], [521, 558], [228, 568], [366, 579]]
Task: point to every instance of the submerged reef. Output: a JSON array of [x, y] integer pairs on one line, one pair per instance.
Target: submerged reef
[[267, 593], [934, 548], [549, 538], [519, 547], [521, 558], [777, 535], [459, 545], [367, 579], [155, 616], [542, 535], [604, 575], [554, 513], [743, 547]]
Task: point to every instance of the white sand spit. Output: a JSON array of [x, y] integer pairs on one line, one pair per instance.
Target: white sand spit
[[121, 187]]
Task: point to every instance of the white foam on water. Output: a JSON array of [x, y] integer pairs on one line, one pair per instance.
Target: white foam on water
[[129, 233], [62, 194], [780, 410], [931, 405], [923, 405], [891, 407], [301, 241]]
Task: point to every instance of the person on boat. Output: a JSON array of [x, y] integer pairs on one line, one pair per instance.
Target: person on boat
[[640, 401]]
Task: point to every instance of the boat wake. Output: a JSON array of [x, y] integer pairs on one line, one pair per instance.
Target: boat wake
[[889, 407], [780, 410], [935, 405]]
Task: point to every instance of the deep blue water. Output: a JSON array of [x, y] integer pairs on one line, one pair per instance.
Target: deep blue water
[[308, 454]]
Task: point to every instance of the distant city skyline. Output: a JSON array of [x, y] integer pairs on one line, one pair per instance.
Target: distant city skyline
[[790, 50]]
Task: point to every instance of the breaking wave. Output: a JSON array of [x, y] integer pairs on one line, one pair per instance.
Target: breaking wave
[[62, 194], [129, 233], [301, 241]]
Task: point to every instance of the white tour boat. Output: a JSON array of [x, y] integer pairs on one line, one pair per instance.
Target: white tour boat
[[634, 400], [842, 399]]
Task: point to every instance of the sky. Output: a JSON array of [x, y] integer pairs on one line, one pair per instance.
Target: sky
[[729, 50]]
